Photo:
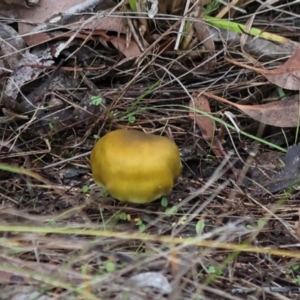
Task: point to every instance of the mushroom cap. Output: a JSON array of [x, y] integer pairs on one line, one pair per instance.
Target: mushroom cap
[[134, 166]]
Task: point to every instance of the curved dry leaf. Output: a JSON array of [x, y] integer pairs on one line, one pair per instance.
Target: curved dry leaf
[[120, 44], [286, 76], [203, 34], [106, 23], [40, 14], [25, 72], [206, 124], [284, 113], [61, 11], [11, 48]]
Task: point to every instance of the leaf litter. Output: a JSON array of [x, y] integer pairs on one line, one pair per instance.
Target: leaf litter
[[86, 63]]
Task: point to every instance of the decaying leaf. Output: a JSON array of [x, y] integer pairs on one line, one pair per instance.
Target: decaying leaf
[[290, 175], [120, 44], [11, 48], [25, 3], [262, 169], [206, 124], [284, 113], [71, 15], [286, 76], [203, 34], [25, 72]]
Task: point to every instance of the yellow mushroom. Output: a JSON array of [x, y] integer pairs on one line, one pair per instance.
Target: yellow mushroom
[[134, 166]]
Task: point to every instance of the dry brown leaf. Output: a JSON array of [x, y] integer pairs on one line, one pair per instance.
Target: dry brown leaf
[[103, 23], [120, 44], [284, 113], [206, 124], [11, 48], [49, 9], [203, 34], [38, 15], [286, 76], [43, 37]]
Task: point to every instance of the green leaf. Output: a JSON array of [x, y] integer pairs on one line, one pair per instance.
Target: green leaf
[[132, 4], [212, 6], [95, 100], [261, 223], [200, 226], [110, 266], [131, 119], [85, 188], [164, 202], [142, 227], [241, 28], [123, 216], [171, 211]]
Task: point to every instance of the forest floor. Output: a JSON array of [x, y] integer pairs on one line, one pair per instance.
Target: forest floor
[[228, 229]]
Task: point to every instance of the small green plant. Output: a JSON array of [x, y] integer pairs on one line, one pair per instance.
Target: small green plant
[[123, 216], [95, 100], [96, 136], [261, 223], [164, 202], [200, 226], [212, 6], [132, 4], [125, 295], [171, 211], [131, 119], [51, 126], [110, 266], [241, 28], [297, 279], [85, 189], [141, 225], [112, 113], [213, 270]]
